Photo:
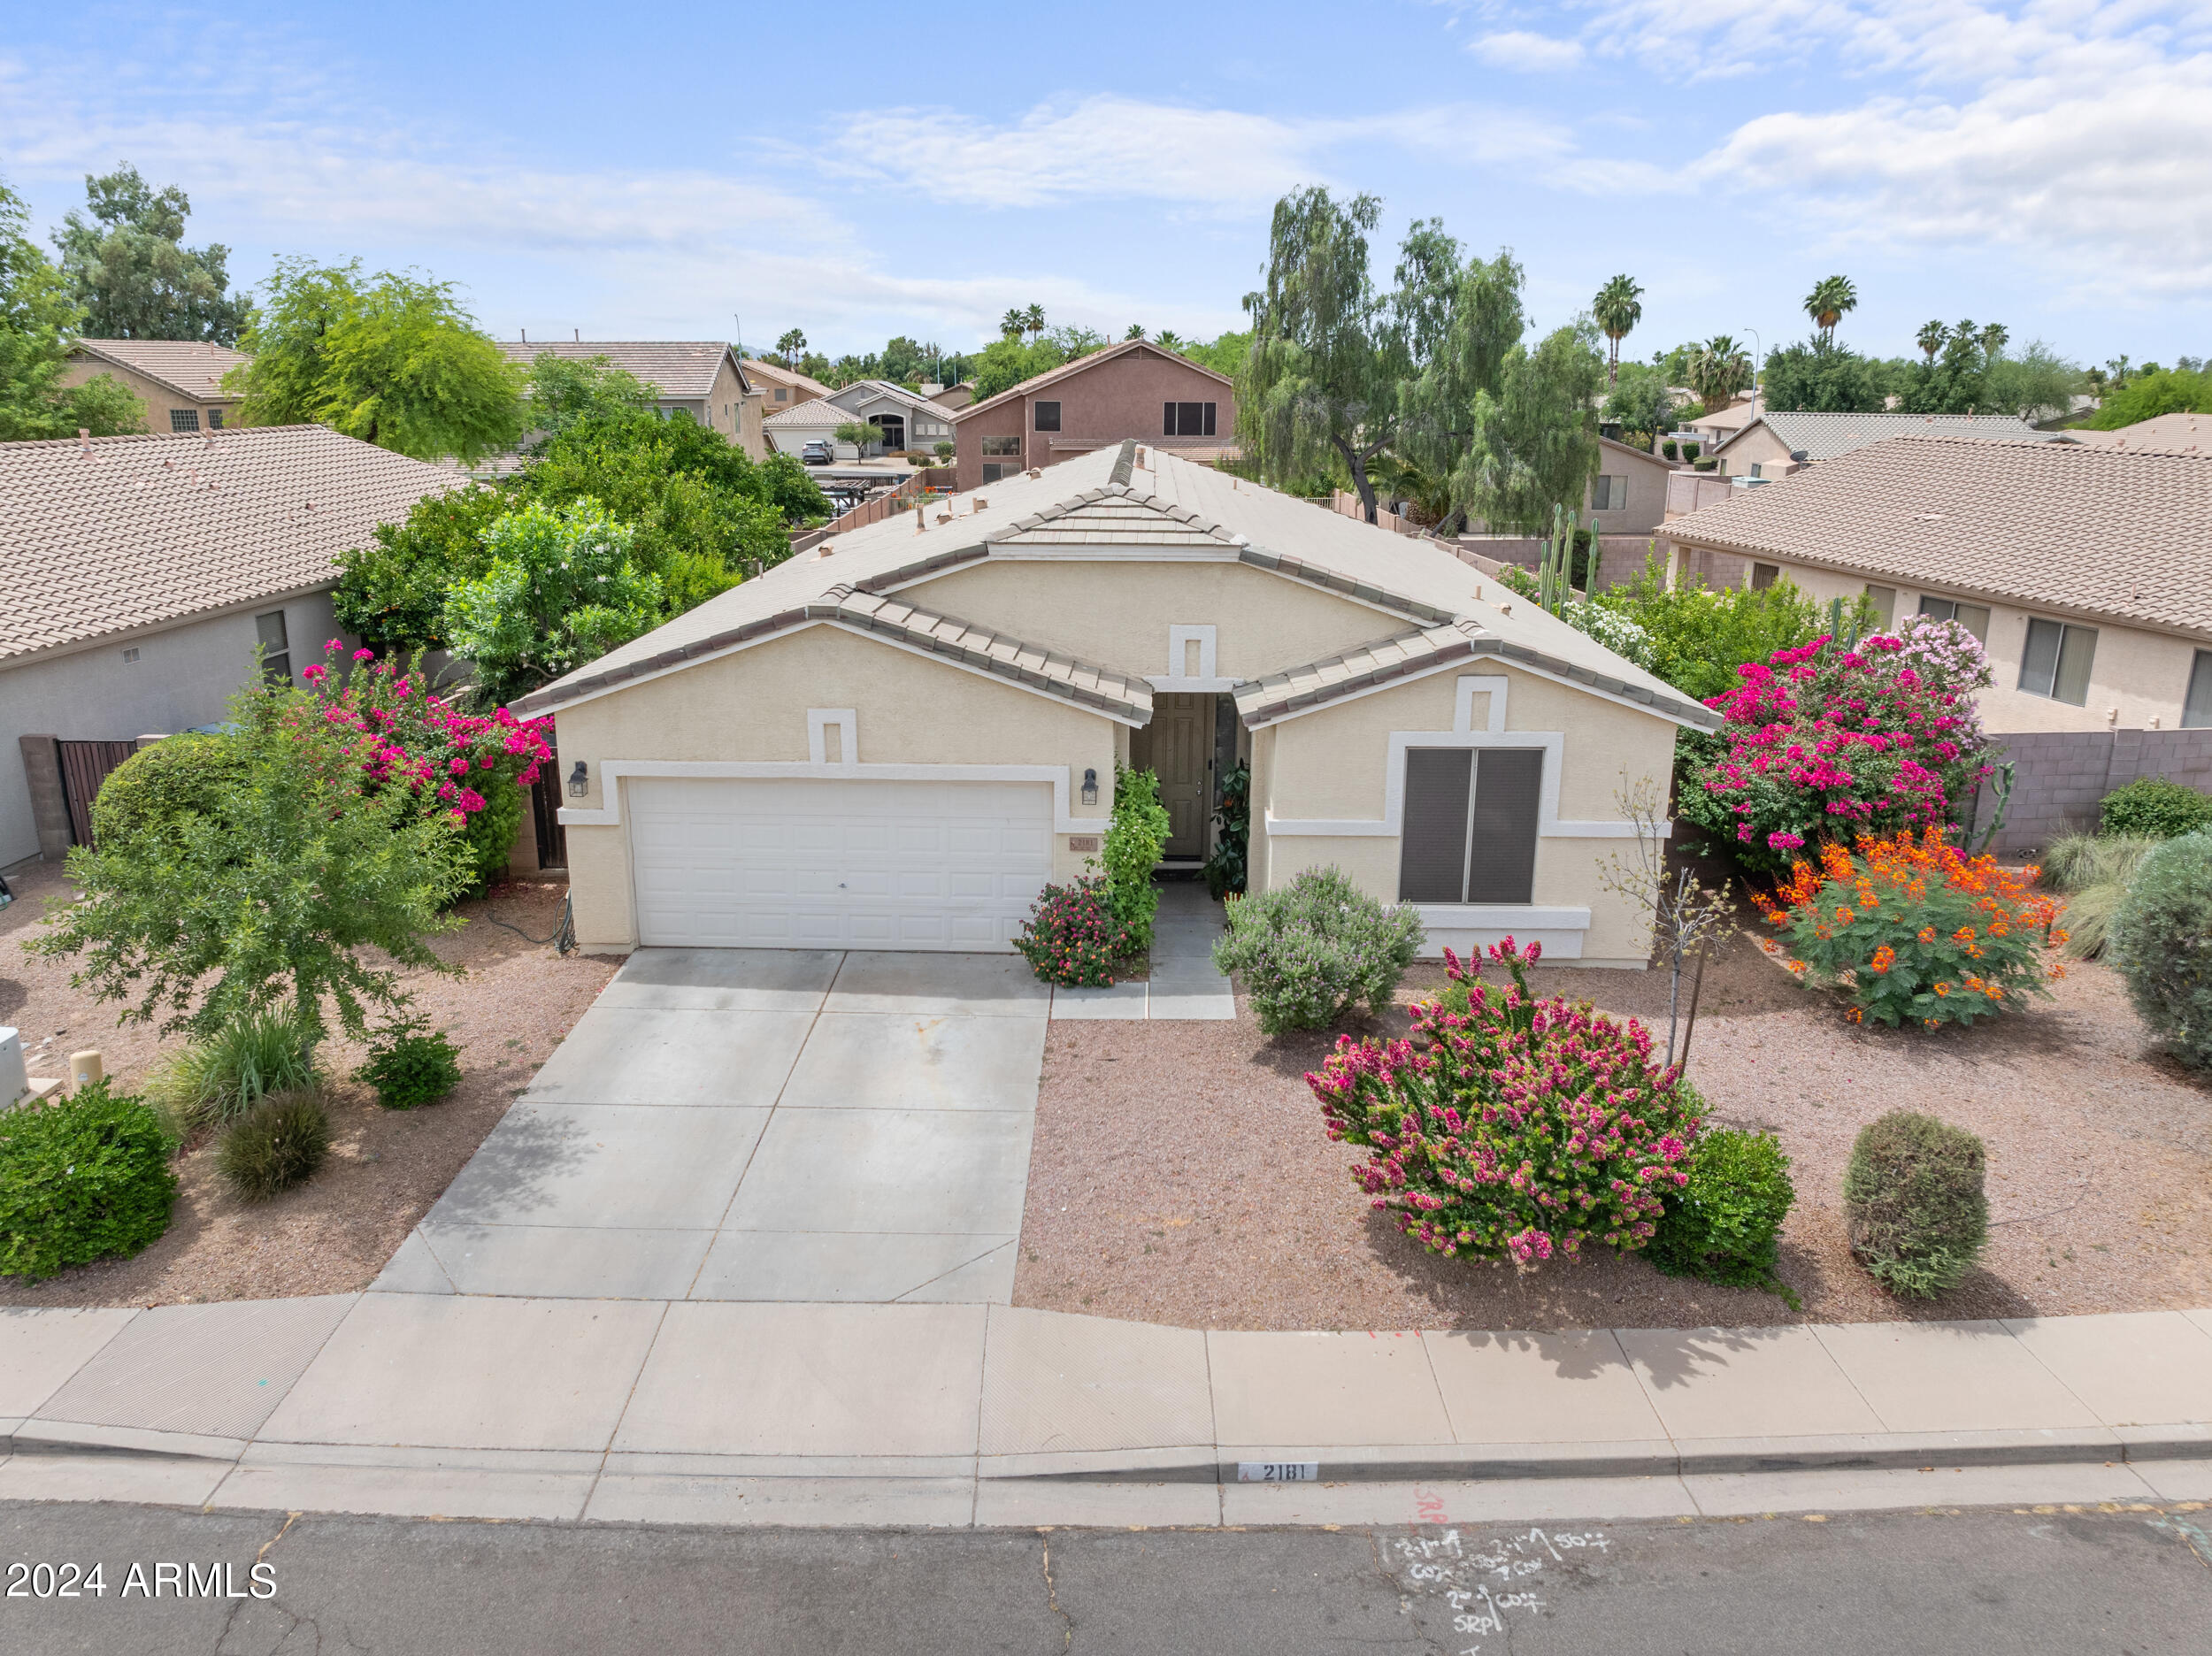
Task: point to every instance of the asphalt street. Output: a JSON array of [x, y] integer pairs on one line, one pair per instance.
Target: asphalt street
[[1971, 1581]]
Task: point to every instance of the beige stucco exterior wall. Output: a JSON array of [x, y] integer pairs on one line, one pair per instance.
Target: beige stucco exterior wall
[[158, 398], [751, 707], [1755, 445], [1331, 766], [1118, 613], [2137, 680], [1646, 507], [734, 412]]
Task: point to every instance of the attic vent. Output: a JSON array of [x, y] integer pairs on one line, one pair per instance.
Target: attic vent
[[1927, 517]]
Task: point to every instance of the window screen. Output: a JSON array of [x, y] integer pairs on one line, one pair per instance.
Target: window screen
[[1186, 419], [1885, 601], [1048, 417], [1973, 618], [1764, 575], [184, 419], [1471, 819], [276, 648], [2057, 660], [215, 420], [993, 473], [2196, 712]]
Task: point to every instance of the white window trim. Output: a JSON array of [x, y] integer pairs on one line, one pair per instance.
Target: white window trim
[[611, 772], [1208, 678], [819, 721], [1549, 824]]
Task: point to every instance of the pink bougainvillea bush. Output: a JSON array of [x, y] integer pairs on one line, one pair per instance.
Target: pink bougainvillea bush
[[473, 768], [1822, 742], [1509, 1127], [1072, 936]]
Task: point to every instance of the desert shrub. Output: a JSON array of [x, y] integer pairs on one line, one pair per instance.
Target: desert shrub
[[1074, 937], [279, 1142], [221, 1078], [2093, 871], [2154, 809], [1725, 1225], [1821, 741], [179, 775], [1311, 950], [410, 1064], [83, 1179], [1135, 833], [2162, 942], [1912, 1203], [1915, 929], [1515, 1130]]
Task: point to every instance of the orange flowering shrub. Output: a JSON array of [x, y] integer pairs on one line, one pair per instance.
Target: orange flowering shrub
[[1916, 930]]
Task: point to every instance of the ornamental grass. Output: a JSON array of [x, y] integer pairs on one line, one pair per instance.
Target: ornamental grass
[[1509, 1127], [1915, 931]]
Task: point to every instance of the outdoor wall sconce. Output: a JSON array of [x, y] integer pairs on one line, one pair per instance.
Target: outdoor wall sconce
[[1090, 787], [578, 781]]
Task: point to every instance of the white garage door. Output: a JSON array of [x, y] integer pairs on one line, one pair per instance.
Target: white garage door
[[790, 863]]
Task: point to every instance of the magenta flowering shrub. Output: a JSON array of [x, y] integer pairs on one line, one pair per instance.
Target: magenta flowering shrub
[[473, 768], [1072, 936], [1822, 742], [1510, 1127]]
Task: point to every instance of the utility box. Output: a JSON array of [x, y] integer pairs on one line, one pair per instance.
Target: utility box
[[15, 1081]]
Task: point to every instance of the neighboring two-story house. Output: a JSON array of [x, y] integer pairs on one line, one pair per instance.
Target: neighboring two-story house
[[1629, 493], [181, 381], [1135, 389], [701, 376], [782, 387], [906, 420]]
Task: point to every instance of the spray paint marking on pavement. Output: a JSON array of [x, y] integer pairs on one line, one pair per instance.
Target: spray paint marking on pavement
[[1480, 1582]]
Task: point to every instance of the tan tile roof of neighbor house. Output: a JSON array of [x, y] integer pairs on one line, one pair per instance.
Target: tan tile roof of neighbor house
[[1107, 504], [1825, 436], [191, 368], [2093, 531], [120, 534], [755, 369], [680, 370], [1051, 376], [819, 411], [2185, 433]]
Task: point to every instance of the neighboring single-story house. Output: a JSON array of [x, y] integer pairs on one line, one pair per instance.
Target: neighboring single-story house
[[1135, 389], [701, 376], [1775, 445], [2086, 572], [951, 396], [2183, 432], [1629, 493], [907, 420], [139, 573], [181, 381], [782, 387], [897, 738], [1717, 427]]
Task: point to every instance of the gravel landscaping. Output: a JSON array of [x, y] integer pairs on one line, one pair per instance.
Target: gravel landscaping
[[334, 1234], [1181, 1173]]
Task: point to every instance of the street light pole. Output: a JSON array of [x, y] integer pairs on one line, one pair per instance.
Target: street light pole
[[1760, 350]]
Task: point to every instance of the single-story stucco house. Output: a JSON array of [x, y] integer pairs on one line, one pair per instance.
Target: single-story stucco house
[[895, 739]]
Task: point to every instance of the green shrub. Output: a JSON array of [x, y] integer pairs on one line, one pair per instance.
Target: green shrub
[[221, 1078], [2155, 808], [2162, 942], [1311, 950], [1134, 835], [1072, 936], [83, 1179], [179, 775], [1912, 1203], [410, 1064], [279, 1142], [2093, 871], [1725, 1224]]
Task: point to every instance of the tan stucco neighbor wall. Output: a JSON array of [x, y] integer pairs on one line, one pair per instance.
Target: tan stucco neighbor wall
[[1331, 766], [751, 707]]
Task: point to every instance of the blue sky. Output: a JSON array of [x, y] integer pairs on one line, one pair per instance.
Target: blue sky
[[861, 171]]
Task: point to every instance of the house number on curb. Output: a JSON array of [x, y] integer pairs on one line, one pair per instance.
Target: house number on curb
[[1279, 1471]]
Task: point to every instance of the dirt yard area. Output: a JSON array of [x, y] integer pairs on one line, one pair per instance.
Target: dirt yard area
[[1181, 1173], [334, 1234]]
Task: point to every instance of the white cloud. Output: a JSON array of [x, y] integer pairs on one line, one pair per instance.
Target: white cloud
[[1531, 53]]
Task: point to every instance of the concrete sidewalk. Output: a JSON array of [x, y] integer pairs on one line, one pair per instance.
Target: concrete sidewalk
[[731, 1412]]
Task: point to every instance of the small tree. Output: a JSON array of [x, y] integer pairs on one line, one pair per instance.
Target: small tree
[[1688, 918], [859, 433]]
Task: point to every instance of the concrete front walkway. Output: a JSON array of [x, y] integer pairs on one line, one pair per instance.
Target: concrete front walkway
[[760, 1124], [1183, 982]]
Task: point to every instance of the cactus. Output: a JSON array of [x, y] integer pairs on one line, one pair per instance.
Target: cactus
[[2001, 786]]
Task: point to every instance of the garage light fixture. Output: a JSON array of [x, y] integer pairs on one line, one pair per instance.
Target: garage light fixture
[[578, 781], [1090, 787]]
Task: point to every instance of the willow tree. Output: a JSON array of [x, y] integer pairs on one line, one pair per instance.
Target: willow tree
[[1458, 322], [1320, 387]]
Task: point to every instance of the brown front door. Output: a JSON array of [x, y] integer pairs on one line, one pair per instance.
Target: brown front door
[[1176, 746]]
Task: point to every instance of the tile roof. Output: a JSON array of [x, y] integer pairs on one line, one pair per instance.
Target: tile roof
[[1166, 504], [819, 411], [191, 368], [1825, 436], [776, 373], [1037, 382], [2184, 434], [680, 370], [2100, 532], [127, 532]]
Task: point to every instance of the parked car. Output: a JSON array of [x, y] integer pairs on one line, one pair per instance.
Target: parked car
[[817, 454]]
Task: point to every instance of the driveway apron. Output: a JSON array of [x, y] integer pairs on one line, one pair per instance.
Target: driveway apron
[[762, 1124]]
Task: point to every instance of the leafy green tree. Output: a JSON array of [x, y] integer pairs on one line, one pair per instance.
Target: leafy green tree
[[684, 489], [1224, 353], [566, 391], [130, 271], [1821, 377], [903, 360], [1006, 362], [1641, 404], [2147, 396], [791, 347], [1536, 443], [1954, 382], [1618, 308], [814, 365], [1718, 371], [791, 489], [1455, 325], [560, 590], [391, 593], [1832, 299], [2038, 385], [1697, 637], [298, 884], [38, 324], [393, 360]]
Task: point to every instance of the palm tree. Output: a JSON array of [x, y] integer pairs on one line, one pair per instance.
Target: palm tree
[[1014, 324], [1831, 299], [2119, 366], [1930, 339], [1170, 339], [1720, 369], [1136, 331], [1033, 319], [1618, 309], [1993, 340], [791, 347]]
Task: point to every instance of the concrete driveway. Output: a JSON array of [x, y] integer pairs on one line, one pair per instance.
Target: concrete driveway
[[760, 1124]]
